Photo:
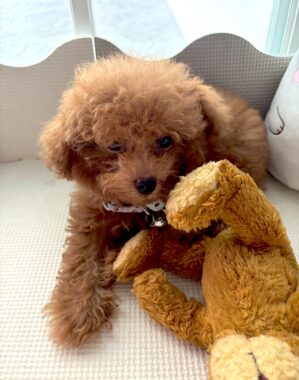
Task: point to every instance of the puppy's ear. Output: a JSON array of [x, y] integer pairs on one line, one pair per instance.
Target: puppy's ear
[[55, 149], [214, 108]]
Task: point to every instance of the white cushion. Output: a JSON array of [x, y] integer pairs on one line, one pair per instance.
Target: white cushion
[[282, 121], [34, 208]]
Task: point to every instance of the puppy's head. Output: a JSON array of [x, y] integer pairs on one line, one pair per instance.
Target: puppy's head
[[127, 128]]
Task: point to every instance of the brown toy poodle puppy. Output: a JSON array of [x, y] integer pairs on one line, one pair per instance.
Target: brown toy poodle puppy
[[125, 131]]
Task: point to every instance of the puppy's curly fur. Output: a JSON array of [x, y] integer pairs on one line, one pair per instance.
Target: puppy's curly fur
[[105, 136]]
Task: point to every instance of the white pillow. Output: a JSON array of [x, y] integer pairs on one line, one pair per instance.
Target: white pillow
[[282, 123]]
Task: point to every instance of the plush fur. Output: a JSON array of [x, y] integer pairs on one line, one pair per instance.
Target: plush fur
[[131, 103]]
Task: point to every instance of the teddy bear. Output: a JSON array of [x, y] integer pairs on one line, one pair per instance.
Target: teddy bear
[[249, 322]]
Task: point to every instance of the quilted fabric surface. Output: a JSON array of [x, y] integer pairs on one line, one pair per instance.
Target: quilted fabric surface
[[33, 216]]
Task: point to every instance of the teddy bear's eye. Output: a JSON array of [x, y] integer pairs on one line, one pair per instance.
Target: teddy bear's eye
[[115, 147], [164, 142]]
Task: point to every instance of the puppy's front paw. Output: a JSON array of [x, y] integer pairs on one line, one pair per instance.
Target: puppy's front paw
[[73, 319]]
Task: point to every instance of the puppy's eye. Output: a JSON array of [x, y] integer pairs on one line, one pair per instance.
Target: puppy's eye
[[91, 146], [87, 147], [164, 142], [115, 147]]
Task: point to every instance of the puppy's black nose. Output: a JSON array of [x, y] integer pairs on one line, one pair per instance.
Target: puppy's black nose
[[146, 185]]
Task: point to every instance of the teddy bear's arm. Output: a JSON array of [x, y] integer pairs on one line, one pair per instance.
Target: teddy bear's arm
[[136, 256], [219, 190], [183, 254], [169, 306], [169, 249]]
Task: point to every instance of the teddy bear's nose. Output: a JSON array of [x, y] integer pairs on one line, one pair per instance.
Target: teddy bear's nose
[[145, 185]]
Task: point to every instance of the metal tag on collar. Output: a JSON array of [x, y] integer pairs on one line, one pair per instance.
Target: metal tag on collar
[[153, 221]]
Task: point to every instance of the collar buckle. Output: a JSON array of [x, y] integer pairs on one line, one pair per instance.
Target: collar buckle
[[155, 220]]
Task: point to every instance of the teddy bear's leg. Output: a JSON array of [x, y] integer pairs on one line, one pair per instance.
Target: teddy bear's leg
[[167, 305], [219, 190]]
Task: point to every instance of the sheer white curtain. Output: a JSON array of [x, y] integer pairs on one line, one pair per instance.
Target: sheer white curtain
[[248, 19], [31, 29]]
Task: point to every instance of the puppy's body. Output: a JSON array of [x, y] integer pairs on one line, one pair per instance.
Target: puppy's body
[[125, 132]]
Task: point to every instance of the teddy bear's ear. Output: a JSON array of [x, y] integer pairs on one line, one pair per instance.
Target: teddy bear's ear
[[214, 107], [55, 150]]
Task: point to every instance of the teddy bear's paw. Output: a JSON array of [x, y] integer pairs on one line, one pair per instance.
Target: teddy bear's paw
[[131, 259], [275, 358], [192, 203], [263, 357], [149, 290], [156, 295], [230, 359]]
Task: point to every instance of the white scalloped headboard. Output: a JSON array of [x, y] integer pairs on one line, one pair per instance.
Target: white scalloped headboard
[[29, 95]]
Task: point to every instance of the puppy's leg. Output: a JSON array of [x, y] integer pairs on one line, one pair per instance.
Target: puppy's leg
[[82, 300]]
